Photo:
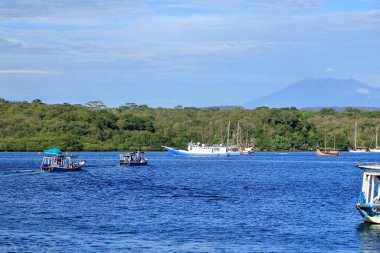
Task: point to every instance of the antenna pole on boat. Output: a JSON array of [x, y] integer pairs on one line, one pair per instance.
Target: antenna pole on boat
[[228, 133], [237, 135], [221, 135], [356, 126], [334, 143]]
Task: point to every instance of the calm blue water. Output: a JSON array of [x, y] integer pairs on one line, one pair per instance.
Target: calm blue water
[[265, 202]]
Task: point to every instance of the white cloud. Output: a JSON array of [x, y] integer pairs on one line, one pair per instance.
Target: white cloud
[[286, 4], [16, 72], [363, 91]]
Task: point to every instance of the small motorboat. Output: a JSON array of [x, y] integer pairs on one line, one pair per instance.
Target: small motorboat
[[369, 200], [55, 161], [247, 151], [136, 158]]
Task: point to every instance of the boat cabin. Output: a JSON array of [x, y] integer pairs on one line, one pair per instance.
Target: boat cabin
[[206, 149]]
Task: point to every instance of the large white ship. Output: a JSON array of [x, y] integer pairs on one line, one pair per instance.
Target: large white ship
[[198, 149]]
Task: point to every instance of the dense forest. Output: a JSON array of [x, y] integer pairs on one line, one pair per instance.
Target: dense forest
[[35, 126]]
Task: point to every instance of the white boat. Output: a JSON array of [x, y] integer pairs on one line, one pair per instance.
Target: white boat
[[248, 151], [357, 149], [368, 203], [377, 148], [200, 150]]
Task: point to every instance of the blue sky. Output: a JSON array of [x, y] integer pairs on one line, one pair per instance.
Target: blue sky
[[190, 53]]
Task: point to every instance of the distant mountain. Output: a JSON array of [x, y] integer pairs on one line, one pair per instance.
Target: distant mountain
[[339, 109], [322, 92]]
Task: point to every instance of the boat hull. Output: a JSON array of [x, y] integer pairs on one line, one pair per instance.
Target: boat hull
[[234, 153], [357, 151], [134, 163], [367, 215], [60, 169], [377, 150], [176, 152], [368, 166], [327, 153]]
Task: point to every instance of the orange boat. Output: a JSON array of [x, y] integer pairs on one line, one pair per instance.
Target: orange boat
[[327, 151]]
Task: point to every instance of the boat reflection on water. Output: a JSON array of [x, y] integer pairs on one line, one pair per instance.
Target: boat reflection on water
[[369, 235]]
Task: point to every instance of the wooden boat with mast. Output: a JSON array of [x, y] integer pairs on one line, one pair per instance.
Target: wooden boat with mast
[[326, 151]]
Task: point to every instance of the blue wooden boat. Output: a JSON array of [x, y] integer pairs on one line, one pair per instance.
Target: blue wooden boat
[[369, 200], [136, 158], [55, 161]]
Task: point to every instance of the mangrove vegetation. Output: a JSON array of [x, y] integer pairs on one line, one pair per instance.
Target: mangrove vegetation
[[33, 126]]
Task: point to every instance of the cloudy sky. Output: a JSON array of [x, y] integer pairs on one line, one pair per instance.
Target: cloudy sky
[[173, 52]]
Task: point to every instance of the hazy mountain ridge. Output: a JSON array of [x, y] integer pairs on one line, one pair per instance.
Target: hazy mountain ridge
[[339, 109], [322, 92]]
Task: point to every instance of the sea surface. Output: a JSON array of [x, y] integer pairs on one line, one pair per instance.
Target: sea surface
[[264, 202]]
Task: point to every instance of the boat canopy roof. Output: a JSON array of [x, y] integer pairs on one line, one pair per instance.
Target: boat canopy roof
[[53, 151]]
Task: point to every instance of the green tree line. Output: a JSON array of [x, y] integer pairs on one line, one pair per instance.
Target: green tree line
[[35, 126]]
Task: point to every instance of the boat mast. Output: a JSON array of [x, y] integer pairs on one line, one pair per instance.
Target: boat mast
[[377, 129], [334, 143], [228, 133], [325, 142], [237, 135], [241, 137], [356, 126], [221, 135]]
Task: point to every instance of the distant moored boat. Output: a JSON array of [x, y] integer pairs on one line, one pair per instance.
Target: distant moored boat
[[357, 149], [377, 148], [326, 151]]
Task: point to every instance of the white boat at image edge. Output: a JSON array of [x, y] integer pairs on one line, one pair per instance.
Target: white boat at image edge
[[198, 149], [369, 200]]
